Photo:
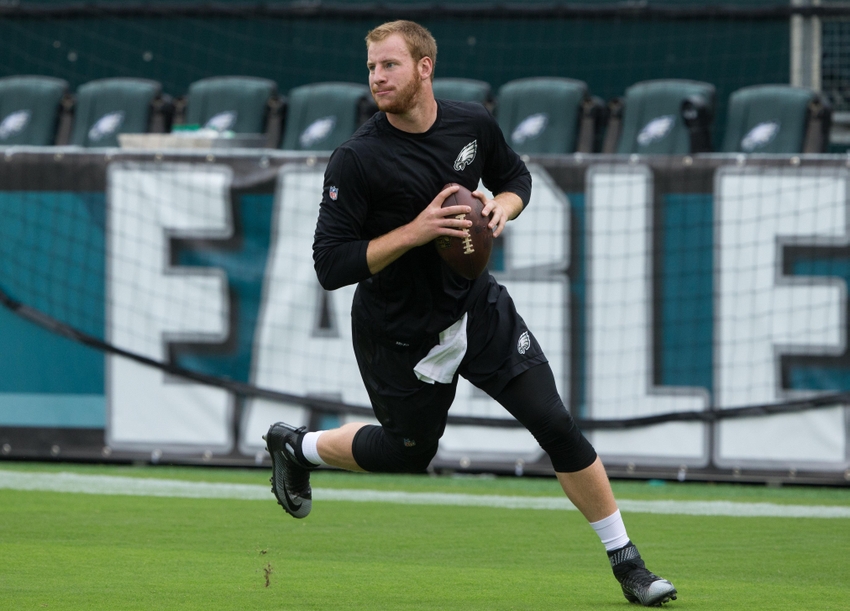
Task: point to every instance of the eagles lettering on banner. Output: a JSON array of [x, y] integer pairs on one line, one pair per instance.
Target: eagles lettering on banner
[[148, 204], [620, 323], [301, 342]]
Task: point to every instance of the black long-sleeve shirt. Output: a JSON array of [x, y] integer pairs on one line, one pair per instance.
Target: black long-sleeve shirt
[[381, 179]]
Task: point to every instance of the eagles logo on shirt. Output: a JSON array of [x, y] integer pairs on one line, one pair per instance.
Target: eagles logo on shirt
[[466, 156], [523, 343]]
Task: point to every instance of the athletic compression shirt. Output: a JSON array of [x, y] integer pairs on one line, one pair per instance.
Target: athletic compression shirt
[[381, 179]]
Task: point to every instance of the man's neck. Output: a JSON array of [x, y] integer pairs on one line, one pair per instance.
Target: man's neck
[[418, 119]]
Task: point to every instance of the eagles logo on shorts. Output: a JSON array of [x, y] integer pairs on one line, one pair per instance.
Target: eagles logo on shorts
[[523, 343]]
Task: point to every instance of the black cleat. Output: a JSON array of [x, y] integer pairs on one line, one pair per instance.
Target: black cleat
[[638, 583], [290, 473]]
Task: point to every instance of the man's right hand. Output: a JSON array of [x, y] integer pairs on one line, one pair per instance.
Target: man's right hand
[[432, 222]]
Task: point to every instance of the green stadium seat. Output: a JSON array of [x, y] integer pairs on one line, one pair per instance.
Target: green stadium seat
[[321, 116], [111, 106], [34, 110], [542, 114], [662, 117], [464, 90], [776, 119], [241, 104]]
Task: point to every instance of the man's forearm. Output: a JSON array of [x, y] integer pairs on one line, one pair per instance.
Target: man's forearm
[[511, 202], [387, 248]]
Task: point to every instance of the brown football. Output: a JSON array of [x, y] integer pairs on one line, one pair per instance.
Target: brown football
[[467, 256]]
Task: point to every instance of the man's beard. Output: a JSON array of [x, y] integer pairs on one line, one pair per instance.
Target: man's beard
[[404, 98]]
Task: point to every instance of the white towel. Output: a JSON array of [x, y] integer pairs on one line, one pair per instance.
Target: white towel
[[441, 363]]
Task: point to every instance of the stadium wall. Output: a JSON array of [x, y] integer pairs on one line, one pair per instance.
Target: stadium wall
[[610, 45], [163, 307]]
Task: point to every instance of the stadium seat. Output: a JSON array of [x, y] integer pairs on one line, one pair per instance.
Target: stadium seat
[[34, 110], [777, 119], [111, 106], [321, 116], [543, 114], [662, 117], [241, 104], [464, 90]]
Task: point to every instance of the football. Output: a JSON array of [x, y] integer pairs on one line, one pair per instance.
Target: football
[[468, 256]]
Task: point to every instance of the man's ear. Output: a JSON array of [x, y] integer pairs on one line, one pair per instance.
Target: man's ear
[[426, 67]]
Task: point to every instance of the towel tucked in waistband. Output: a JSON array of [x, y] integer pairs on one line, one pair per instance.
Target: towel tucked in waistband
[[441, 363]]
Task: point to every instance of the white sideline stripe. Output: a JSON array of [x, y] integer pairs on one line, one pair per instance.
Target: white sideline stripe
[[134, 486]]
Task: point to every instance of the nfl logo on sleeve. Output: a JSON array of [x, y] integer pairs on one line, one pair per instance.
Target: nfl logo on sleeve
[[333, 193]]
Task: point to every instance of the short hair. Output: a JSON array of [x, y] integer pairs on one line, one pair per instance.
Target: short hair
[[420, 42]]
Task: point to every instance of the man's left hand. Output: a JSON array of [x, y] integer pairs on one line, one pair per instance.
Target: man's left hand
[[501, 209]]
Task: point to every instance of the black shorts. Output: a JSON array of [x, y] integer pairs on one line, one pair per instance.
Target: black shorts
[[500, 347]]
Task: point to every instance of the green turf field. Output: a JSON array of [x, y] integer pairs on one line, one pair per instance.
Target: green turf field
[[64, 550]]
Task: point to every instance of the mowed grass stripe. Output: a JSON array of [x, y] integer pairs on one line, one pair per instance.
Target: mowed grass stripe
[[132, 486]]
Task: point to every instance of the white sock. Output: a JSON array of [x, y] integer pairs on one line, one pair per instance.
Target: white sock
[[310, 450], [611, 531]]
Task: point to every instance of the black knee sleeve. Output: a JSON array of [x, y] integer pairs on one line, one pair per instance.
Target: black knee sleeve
[[563, 442], [532, 398], [377, 452]]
